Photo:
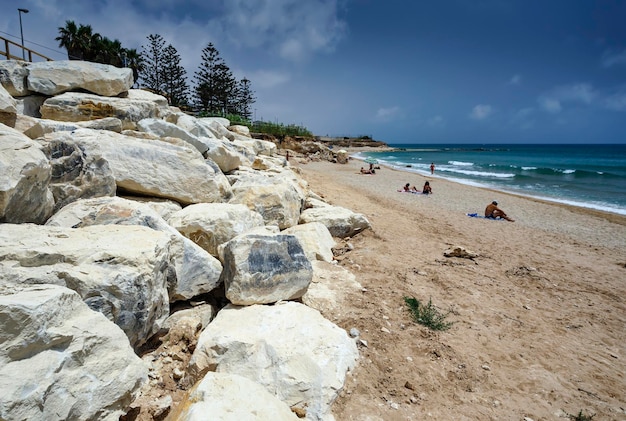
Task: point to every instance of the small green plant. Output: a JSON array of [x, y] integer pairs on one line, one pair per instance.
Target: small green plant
[[581, 416], [427, 315]]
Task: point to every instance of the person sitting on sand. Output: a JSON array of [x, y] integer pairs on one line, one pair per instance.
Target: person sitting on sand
[[407, 188], [493, 211], [427, 189]]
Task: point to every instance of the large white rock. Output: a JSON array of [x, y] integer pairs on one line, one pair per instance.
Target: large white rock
[[264, 268], [76, 174], [260, 147], [30, 105], [341, 222], [153, 168], [59, 360], [8, 108], [76, 106], [120, 271], [42, 126], [197, 272], [211, 224], [162, 128], [277, 199], [315, 240], [25, 174], [13, 75], [56, 77], [229, 397], [298, 355], [331, 288]]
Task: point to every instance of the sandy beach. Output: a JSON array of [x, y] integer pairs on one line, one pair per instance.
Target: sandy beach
[[539, 316]]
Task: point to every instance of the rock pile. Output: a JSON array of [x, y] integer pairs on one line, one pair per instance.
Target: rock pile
[[116, 208]]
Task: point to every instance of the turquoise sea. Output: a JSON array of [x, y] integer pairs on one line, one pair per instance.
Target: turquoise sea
[[591, 176]]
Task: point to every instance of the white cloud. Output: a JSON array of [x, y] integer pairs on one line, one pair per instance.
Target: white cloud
[[616, 101], [553, 100], [290, 28], [266, 79], [551, 105], [481, 112], [388, 114], [515, 80], [612, 58]]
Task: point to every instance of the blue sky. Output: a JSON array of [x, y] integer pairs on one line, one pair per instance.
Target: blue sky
[[446, 71]]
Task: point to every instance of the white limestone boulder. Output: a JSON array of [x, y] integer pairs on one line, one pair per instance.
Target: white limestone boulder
[[191, 124], [229, 397], [76, 106], [56, 77], [164, 207], [298, 355], [315, 240], [30, 105], [120, 271], [60, 360], [197, 272], [25, 194], [277, 199], [13, 75], [264, 268], [8, 108], [42, 126], [259, 146], [75, 174], [153, 168], [240, 130], [341, 222], [162, 128], [200, 315], [331, 288], [211, 224]]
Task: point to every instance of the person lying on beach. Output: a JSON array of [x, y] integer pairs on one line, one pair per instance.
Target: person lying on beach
[[364, 171], [493, 211], [408, 188], [427, 189]]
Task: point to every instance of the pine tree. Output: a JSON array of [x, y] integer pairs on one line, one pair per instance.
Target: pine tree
[[205, 94], [225, 85], [174, 78], [152, 57], [244, 99]]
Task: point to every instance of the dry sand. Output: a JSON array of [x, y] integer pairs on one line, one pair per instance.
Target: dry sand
[[539, 317]]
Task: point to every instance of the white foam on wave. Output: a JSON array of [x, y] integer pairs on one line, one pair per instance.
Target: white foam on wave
[[461, 163], [478, 173], [529, 168]]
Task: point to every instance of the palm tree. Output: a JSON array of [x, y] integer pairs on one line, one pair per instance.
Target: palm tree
[[133, 60], [79, 41]]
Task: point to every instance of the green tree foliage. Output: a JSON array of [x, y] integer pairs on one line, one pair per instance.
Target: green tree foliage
[[205, 94], [132, 59], [77, 40], [152, 55], [174, 78], [244, 98]]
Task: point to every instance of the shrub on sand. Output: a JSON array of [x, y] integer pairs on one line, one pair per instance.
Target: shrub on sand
[[427, 315]]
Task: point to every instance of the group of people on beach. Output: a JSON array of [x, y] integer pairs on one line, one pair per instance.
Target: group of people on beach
[[425, 190]]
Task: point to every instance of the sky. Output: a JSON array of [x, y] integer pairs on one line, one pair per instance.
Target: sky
[[400, 71]]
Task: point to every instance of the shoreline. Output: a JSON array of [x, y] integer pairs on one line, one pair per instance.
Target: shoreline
[[354, 154], [538, 316]]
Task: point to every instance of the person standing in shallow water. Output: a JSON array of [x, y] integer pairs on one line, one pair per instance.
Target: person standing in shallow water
[[432, 167]]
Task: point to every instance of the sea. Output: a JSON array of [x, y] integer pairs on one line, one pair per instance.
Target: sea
[[589, 176]]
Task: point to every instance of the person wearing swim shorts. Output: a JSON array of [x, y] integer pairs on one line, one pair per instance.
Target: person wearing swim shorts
[[493, 211]]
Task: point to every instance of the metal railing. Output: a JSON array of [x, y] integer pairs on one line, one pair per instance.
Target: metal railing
[[19, 48]]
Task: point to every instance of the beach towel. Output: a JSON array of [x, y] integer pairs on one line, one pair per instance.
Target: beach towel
[[411, 191], [475, 215]]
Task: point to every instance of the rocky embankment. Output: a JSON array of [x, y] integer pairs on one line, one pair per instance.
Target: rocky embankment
[[155, 265]]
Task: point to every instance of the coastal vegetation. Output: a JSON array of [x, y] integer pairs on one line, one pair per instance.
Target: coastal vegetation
[[215, 91], [427, 315]]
